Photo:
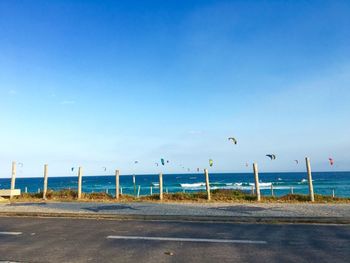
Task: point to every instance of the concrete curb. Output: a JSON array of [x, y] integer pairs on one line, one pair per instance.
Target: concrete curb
[[193, 218]]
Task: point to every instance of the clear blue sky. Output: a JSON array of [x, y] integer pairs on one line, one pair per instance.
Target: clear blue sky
[[105, 83]]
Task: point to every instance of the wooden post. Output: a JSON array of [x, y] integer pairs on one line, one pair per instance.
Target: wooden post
[[272, 191], [311, 187], [252, 190], [160, 186], [80, 175], [138, 191], [117, 184], [257, 187], [134, 183], [45, 181], [207, 184], [151, 190], [121, 190], [13, 177]]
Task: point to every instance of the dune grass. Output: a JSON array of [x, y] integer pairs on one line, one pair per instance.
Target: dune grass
[[219, 195], [228, 196]]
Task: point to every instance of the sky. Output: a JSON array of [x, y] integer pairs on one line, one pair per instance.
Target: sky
[[104, 83]]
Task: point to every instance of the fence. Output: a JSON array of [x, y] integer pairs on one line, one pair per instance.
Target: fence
[[158, 188]]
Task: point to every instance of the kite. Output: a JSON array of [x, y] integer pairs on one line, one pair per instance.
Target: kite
[[197, 169], [20, 164], [331, 161], [211, 162], [162, 161], [104, 168], [233, 140], [271, 156], [72, 169], [297, 162], [157, 164]]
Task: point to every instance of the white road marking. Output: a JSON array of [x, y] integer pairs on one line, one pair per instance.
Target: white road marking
[[180, 239], [11, 233]]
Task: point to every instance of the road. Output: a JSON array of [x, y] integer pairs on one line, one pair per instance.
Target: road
[[25, 239]]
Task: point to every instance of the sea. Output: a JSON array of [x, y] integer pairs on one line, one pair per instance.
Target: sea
[[282, 183]]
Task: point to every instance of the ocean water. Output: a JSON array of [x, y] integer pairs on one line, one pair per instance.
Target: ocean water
[[324, 183]]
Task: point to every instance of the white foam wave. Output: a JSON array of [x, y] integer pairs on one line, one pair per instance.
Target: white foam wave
[[262, 184], [235, 184], [192, 185], [303, 181], [248, 188]]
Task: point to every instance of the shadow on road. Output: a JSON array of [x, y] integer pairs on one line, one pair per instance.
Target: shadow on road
[[108, 208], [27, 204], [240, 209]]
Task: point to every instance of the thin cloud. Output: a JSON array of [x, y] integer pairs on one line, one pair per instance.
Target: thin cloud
[[194, 132], [12, 92], [67, 102]]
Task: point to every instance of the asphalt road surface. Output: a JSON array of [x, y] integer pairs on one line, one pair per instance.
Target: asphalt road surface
[[90, 240]]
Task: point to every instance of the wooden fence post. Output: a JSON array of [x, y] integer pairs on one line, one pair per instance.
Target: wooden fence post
[[134, 183], [117, 184], [13, 178], [207, 184], [311, 187], [160, 186], [45, 181], [80, 175], [272, 190], [257, 187]]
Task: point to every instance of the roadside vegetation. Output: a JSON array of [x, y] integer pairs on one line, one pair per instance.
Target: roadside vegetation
[[220, 195]]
